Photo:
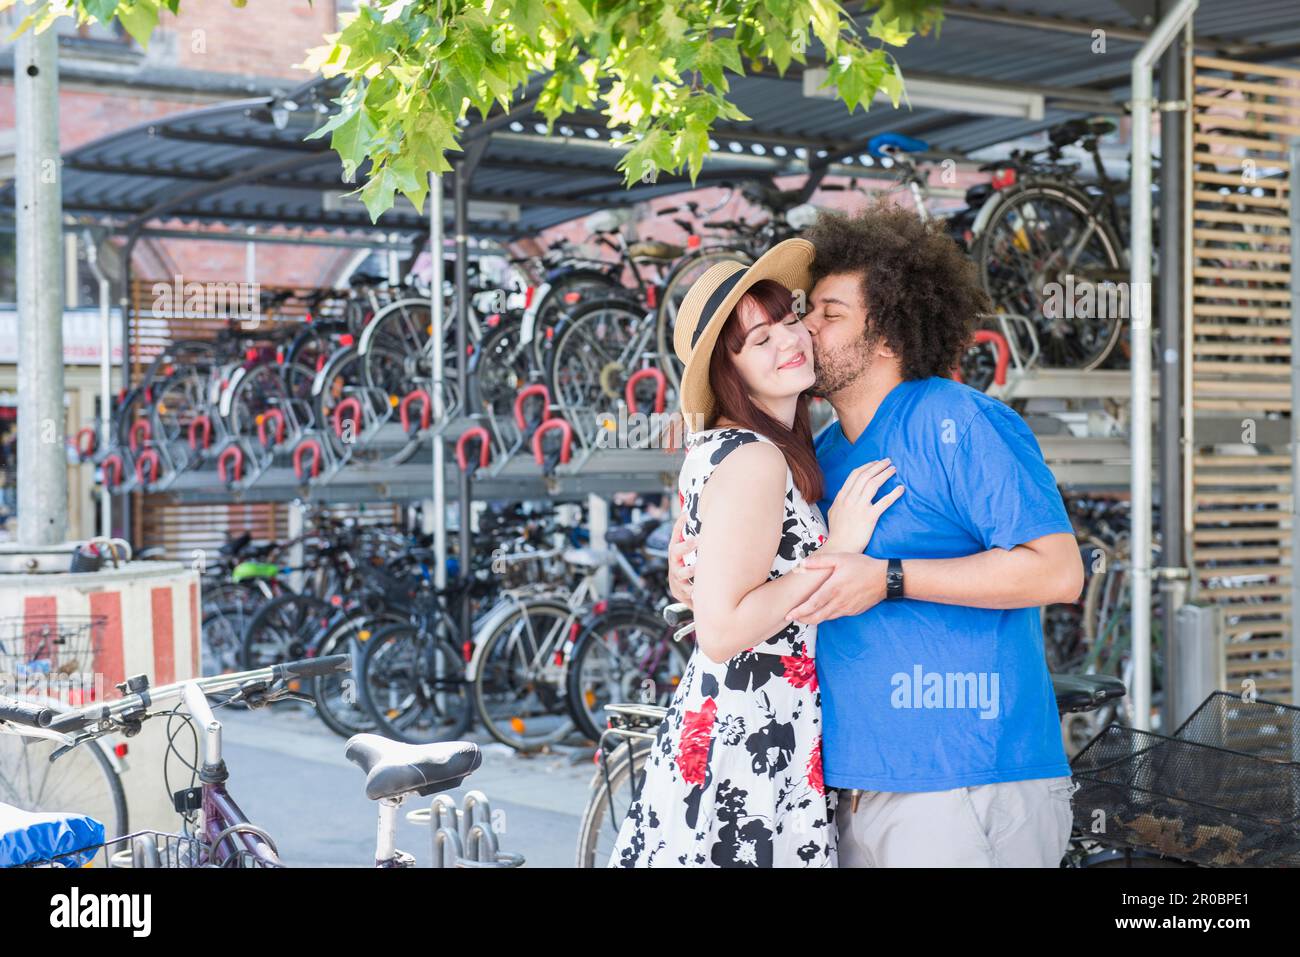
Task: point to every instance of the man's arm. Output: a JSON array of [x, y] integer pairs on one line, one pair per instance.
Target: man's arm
[[1044, 571]]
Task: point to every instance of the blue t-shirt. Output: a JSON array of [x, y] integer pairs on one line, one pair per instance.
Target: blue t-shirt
[[917, 695]]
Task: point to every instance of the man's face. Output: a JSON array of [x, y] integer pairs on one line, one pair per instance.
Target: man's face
[[837, 321]]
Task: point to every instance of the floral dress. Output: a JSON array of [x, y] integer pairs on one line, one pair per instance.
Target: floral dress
[[734, 777]]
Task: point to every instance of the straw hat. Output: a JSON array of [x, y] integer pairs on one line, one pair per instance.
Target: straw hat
[[710, 301]]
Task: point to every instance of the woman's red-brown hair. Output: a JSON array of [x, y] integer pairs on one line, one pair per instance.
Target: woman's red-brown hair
[[732, 399]]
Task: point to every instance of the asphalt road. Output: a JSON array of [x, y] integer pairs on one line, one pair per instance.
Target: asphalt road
[[288, 774]]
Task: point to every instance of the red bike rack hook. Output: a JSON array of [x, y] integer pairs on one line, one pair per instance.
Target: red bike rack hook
[[566, 444], [84, 450], [426, 409], [484, 451], [524, 395], [112, 462], [147, 457], [206, 423], [231, 452], [661, 387], [278, 416], [353, 403], [1002, 349], [137, 427], [307, 445]]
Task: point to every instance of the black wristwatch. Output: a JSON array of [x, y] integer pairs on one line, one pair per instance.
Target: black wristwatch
[[894, 578]]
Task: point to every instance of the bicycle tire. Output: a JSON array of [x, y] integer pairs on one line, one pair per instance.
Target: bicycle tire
[[597, 819], [507, 690], [398, 726], [559, 299], [588, 369], [583, 704], [987, 256], [338, 696]]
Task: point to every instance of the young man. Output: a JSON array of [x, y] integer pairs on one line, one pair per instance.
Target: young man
[[940, 724]]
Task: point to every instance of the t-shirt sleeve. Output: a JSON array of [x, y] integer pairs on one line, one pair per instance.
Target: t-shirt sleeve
[[1002, 484]]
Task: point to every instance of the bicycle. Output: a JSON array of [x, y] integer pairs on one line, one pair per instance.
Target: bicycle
[[215, 832]]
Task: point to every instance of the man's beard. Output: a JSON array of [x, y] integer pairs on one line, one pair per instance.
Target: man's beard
[[837, 369]]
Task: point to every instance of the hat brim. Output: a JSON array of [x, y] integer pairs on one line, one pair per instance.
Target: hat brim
[[789, 263]]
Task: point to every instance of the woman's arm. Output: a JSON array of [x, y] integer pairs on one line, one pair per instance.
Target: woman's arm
[[742, 511]]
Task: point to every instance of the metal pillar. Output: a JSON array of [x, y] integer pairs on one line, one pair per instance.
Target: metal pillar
[[1140, 330], [1174, 126], [462, 371], [128, 250], [42, 460], [1293, 154], [439, 412], [105, 375]]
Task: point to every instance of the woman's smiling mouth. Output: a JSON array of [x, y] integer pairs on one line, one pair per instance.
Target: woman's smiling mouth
[[794, 363]]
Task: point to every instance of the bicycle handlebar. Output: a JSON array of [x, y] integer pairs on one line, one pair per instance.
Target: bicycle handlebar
[[20, 713]]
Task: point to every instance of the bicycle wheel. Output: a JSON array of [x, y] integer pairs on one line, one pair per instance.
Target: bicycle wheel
[[1043, 237], [608, 804], [413, 685], [338, 696], [284, 629], [596, 349], [499, 368], [622, 655], [573, 288], [82, 779], [676, 286], [518, 690]]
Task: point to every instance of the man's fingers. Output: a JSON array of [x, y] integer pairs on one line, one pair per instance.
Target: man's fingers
[[810, 606], [816, 561]]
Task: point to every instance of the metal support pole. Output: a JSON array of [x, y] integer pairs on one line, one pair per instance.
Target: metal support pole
[[1293, 154], [462, 371], [128, 251], [439, 375], [598, 524], [105, 375], [42, 459], [1140, 331], [1173, 591]]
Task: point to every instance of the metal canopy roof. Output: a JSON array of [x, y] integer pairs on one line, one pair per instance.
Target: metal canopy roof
[[245, 163]]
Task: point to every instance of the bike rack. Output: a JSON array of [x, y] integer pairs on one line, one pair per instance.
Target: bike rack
[[114, 461], [484, 451], [200, 420], [138, 426], [83, 452], [426, 411], [231, 451], [525, 426], [262, 419], [463, 837], [149, 457], [566, 445]]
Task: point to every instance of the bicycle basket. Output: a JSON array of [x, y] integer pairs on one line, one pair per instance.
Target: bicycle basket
[[1195, 802], [51, 656], [1266, 729]]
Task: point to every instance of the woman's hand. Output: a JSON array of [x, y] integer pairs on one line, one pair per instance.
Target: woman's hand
[[853, 516]]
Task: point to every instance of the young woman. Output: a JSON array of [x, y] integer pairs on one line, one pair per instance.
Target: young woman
[[733, 778]]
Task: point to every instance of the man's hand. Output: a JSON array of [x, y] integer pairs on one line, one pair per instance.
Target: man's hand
[[857, 583], [681, 577]]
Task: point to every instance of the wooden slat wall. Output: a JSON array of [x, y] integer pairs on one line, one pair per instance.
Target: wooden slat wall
[[1243, 115]]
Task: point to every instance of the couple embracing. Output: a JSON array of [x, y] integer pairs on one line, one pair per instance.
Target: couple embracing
[[868, 686]]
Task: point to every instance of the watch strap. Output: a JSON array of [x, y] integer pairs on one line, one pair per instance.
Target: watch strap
[[894, 578]]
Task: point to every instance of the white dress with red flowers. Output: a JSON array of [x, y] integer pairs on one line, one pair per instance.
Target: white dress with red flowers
[[734, 777]]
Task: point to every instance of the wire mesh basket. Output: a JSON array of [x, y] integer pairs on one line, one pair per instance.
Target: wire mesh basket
[[52, 656], [149, 849], [1180, 798], [1265, 729]]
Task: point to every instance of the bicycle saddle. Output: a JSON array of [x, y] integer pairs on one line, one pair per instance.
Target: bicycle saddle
[[907, 144], [393, 768], [1085, 692], [632, 536], [655, 251]]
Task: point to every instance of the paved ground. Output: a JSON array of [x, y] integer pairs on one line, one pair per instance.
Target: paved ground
[[288, 774]]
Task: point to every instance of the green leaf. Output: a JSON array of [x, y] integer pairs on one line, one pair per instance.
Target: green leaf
[[377, 194], [351, 139], [892, 84], [888, 31], [139, 19]]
